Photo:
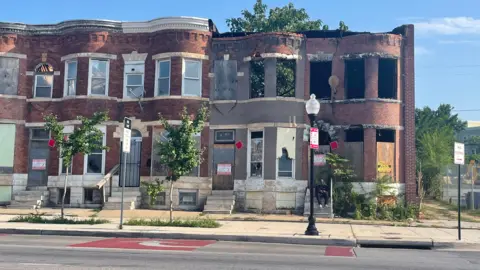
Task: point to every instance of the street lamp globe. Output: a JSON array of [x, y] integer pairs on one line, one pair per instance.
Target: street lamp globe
[[312, 106]]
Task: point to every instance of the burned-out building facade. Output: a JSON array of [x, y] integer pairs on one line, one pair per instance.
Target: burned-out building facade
[[256, 85]]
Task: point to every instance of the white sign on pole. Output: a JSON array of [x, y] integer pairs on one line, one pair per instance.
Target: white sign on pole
[[459, 153], [314, 138], [127, 134]]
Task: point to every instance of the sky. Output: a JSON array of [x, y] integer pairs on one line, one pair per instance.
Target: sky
[[447, 32]]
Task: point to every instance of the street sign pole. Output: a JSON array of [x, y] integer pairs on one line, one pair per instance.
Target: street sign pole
[[127, 134], [459, 159]]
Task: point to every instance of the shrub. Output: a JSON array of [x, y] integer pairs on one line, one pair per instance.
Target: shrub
[[194, 223], [32, 218]]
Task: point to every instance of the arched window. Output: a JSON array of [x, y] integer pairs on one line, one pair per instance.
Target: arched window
[[43, 81]]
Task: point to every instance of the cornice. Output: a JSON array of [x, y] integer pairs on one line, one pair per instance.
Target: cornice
[[167, 23]]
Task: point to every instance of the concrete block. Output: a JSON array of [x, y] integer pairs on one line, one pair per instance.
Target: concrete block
[[254, 200]]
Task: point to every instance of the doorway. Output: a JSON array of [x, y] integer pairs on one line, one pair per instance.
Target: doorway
[[223, 166], [133, 161], [38, 155]]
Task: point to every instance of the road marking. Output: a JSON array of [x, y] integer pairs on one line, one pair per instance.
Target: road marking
[[339, 251], [146, 244], [40, 264]]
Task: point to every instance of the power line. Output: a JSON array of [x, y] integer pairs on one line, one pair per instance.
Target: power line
[[467, 110]]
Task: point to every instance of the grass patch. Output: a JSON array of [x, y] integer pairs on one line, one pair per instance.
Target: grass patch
[[57, 220], [193, 223]]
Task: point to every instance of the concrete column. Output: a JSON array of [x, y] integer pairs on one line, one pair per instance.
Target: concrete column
[[371, 77], [369, 154]]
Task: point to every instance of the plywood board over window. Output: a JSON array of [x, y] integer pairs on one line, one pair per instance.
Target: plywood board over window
[[385, 159], [9, 75], [354, 153]]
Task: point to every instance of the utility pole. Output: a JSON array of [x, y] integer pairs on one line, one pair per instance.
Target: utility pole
[[127, 135]]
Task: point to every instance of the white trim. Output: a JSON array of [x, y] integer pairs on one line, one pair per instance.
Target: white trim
[[12, 96], [13, 55], [293, 99], [258, 125], [85, 157], [108, 98], [249, 153], [35, 85], [184, 61], [107, 75], [180, 54], [125, 75], [157, 76], [89, 55], [65, 78], [135, 57], [189, 23]]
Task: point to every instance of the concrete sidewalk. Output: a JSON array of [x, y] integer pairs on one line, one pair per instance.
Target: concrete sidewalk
[[267, 232]]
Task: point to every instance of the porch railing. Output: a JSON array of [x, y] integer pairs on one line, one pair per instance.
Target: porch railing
[[107, 179]]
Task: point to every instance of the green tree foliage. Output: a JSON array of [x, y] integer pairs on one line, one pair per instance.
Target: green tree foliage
[[179, 153], [473, 143], [435, 135], [85, 139], [279, 19]]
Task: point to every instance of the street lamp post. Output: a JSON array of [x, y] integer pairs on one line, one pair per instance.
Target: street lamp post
[[312, 107]]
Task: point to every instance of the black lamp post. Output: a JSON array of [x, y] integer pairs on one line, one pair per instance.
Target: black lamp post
[[312, 107]]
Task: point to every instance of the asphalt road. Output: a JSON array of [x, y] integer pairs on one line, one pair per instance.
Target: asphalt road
[[52, 252]]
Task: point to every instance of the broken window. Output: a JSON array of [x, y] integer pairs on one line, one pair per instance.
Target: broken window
[[320, 72], [385, 135], [8, 76], [286, 77], [225, 80], [43, 81], [256, 153], [285, 164], [387, 78], [355, 78], [286, 146], [257, 79]]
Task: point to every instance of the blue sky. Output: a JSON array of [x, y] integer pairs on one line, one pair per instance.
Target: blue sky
[[447, 31]]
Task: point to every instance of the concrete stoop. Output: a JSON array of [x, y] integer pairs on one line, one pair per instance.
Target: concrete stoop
[[27, 199], [132, 199], [321, 212], [220, 202]]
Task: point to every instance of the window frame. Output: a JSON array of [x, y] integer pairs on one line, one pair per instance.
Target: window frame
[[125, 78], [157, 76], [66, 132], [292, 171], [184, 64], [66, 78], [249, 154], [36, 81], [90, 77], [17, 77], [85, 157], [185, 191]]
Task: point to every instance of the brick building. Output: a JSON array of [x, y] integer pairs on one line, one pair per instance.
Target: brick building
[[255, 132]]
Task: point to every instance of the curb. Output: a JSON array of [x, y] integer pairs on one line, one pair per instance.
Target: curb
[[219, 237], [396, 243]]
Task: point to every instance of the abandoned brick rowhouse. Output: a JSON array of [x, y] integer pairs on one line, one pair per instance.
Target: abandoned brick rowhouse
[[255, 84]]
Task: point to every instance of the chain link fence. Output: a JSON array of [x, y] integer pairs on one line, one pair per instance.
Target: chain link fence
[[469, 183]]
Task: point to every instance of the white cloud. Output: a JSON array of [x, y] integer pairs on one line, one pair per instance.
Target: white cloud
[[419, 50], [449, 26], [460, 41]]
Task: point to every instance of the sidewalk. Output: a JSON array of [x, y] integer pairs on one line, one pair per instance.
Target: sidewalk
[[267, 232]]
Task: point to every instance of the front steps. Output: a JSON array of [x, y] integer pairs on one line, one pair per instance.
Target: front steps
[[322, 212], [132, 198], [220, 202], [27, 199]]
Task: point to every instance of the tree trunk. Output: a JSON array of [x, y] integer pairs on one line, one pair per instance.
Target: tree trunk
[[64, 192], [171, 201]]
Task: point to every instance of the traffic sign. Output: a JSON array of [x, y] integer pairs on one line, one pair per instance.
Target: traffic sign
[[127, 135], [459, 153], [127, 123]]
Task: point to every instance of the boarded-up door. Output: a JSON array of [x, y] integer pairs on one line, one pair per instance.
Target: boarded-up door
[[223, 158], [354, 153], [385, 159]]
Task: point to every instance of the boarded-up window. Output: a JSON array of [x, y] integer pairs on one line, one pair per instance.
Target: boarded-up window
[[385, 153], [225, 80], [354, 150], [8, 76], [7, 147]]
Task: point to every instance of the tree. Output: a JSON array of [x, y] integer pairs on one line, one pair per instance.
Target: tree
[[83, 140], [435, 135], [279, 19], [179, 152], [474, 144]]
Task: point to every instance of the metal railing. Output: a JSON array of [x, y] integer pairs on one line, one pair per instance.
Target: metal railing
[[107, 179]]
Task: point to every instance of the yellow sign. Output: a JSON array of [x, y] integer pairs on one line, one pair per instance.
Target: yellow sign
[[383, 167]]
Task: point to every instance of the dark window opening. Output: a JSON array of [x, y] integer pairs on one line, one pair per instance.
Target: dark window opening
[[161, 198], [60, 196], [188, 198], [286, 77], [354, 135], [88, 195], [323, 138], [385, 135], [320, 72], [355, 78], [257, 79], [387, 78]]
